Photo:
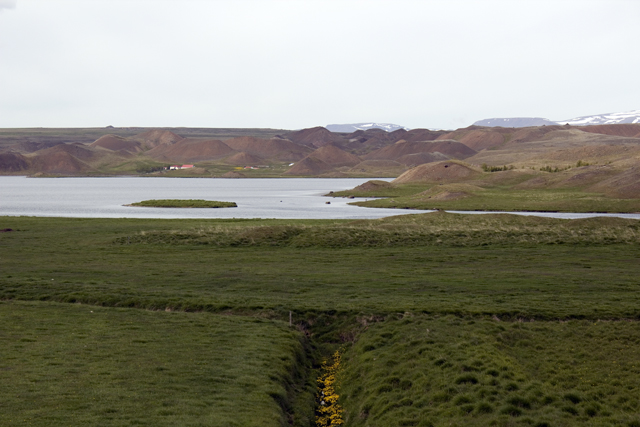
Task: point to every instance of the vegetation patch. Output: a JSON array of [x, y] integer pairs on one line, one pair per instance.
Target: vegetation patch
[[456, 319], [550, 373], [177, 203], [433, 229], [70, 364]]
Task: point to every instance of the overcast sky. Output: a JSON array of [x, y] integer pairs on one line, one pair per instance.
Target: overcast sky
[[294, 64]]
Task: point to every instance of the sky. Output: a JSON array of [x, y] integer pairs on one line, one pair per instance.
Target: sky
[[293, 64]]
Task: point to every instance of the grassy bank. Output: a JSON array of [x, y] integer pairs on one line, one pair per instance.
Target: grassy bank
[[491, 192]]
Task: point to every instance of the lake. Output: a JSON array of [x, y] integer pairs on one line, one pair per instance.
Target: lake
[[256, 198]]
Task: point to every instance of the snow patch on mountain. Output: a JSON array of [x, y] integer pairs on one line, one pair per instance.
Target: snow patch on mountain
[[605, 119], [597, 119], [352, 127], [515, 122]]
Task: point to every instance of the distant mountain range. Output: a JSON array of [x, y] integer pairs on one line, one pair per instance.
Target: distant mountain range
[[597, 119], [348, 128]]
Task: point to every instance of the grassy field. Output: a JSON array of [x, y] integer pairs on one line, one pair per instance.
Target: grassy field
[[372, 288], [71, 364], [435, 371]]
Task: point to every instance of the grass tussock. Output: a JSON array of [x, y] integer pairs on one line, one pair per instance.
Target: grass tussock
[[436, 229], [416, 370]]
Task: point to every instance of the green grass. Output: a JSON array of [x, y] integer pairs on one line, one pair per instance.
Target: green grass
[[191, 203], [375, 287], [483, 195], [508, 200], [538, 268], [70, 364], [431, 371]]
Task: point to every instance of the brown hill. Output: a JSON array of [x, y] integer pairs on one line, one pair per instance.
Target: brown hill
[[191, 150], [379, 168], [625, 185], [274, 148], [335, 157], [449, 148], [79, 151], [13, 162], [534, 133], [309, 166], [117, 143], [373, 185], [314, 137], [32, 146], [630, 130], [418, 135], [416, 159], [481, 139], [58, 162], [154, 138], [557, 146], [362, 142], [244, 159], [441, 172]]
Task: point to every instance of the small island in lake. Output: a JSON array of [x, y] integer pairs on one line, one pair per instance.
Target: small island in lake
[[192, 203]]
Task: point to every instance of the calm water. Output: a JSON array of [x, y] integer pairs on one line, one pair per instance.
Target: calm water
[[256, 198]]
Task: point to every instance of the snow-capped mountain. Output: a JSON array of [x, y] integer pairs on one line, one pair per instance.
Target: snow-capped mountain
[[348, 128], [605, 119], [598, 119], [515, 122]]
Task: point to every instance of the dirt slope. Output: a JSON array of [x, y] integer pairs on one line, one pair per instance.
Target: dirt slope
[[314, 137], [274, 148], [334, 156], [416, 159], [191, 150], [419, 135], [59, 161], [625, 185], [309, 166], [78, 151], [631, 130], [13, 162], [154, 138], [449, 148], [117, 143], [244, 159], [26, 147], [479, 139], [440, 172]]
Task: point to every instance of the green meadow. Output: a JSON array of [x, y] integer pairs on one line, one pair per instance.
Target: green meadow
[[442, 319], [72, 364]]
